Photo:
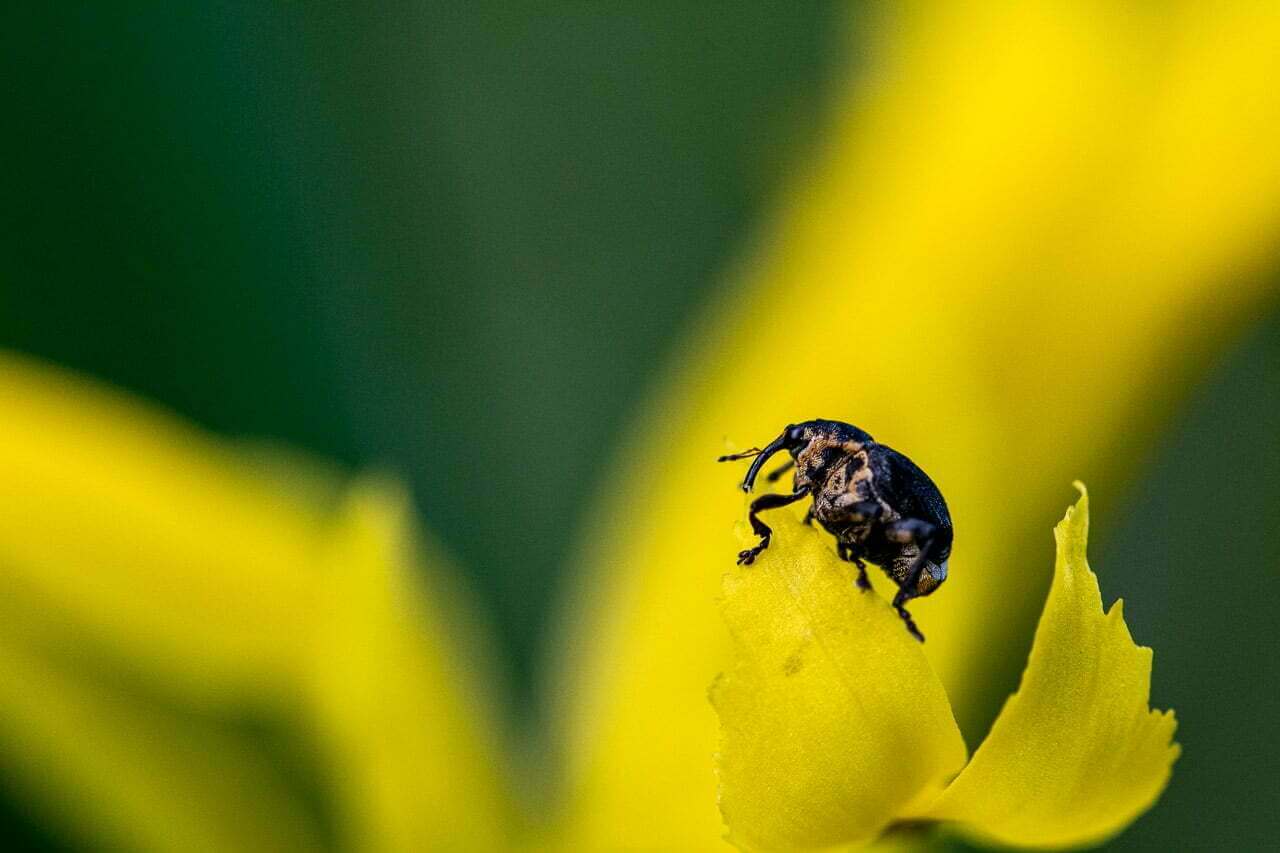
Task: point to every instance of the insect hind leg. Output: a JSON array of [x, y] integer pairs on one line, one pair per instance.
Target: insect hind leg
[[923, 535], [899, 604]]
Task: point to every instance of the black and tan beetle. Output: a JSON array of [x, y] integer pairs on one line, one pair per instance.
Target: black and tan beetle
[[877, 503]]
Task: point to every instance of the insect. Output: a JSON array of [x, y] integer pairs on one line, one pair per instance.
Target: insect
[[877, 503]]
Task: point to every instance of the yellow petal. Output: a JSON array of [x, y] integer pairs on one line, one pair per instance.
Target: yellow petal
[[161, 592], [1076, 754], [395, 686], [1010, 189], [128, 535], [832, 721]]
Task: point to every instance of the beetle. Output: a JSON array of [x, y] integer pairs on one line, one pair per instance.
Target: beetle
[[877, 503]]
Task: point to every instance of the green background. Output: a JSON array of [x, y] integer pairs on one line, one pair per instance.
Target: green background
[[379, 235]]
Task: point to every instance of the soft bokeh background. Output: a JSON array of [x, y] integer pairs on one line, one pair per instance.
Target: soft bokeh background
[[379, 235]]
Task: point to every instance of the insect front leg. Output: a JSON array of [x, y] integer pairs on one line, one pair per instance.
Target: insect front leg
[[760, 504], [922, 534]]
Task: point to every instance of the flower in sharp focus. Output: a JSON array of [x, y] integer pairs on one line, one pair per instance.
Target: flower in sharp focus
[[1027, 228]]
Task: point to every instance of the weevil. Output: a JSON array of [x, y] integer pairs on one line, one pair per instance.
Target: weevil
[[877, 503]]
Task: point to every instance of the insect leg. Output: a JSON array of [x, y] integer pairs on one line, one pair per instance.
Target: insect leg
[[861, 511], [760, 504], [864, 582], [856, 512], [851, 554], [776, 474], [898, 604], [808, 517], [905, 532]]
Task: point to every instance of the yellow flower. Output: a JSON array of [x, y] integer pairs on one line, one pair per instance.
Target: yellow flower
[[1029, 225], [193, 651], [999, 266], [834, 725]]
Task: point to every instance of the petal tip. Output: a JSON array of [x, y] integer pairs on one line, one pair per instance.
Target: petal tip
[[1078, 740]]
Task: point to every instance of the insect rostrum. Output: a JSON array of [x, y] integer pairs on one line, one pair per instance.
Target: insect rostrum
[[877, 503]]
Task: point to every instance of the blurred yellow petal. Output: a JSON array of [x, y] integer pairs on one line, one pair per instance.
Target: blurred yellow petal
[[165, 595], [1010, 190], [120, 769], [412, 753], [128, 535], [832, 721], [1076, 754]]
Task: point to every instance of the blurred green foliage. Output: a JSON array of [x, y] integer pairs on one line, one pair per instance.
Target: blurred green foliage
[[456, 243]]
